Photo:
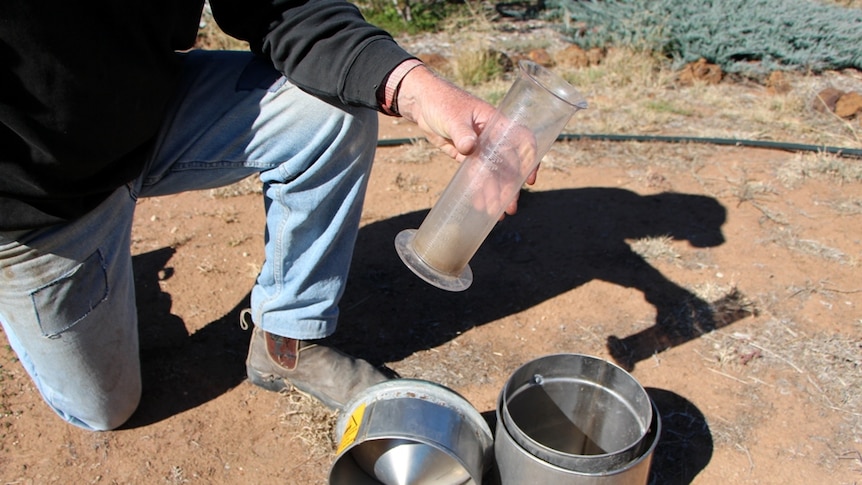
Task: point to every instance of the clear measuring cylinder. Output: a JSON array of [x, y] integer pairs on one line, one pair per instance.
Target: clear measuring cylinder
[[529, 119]]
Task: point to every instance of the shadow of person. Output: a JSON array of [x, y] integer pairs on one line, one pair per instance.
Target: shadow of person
[[558, 241], [181, 371], [157, 327]]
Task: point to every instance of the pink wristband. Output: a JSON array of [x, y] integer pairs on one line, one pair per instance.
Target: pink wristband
[[390, 92]]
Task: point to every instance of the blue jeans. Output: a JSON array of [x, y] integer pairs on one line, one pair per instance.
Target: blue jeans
[[67, 301]]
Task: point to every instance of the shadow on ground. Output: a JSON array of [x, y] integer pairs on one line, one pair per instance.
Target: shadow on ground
[[685, 445], [181, 371], [559, 241]]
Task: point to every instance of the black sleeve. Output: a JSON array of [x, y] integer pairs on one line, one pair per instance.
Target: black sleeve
[[324, 47]]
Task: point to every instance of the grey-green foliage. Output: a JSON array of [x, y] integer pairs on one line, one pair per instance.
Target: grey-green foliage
[[778, 34]]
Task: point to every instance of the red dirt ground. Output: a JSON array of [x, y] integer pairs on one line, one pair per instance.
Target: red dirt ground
[[732, 293]]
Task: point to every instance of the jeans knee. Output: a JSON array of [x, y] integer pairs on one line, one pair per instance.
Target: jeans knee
[[109, 423], [94, 411], [119, 413]]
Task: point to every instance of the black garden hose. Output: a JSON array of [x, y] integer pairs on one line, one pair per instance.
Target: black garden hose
[[774, 145]]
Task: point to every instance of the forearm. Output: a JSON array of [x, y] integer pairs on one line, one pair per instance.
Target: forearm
[[324, 47]]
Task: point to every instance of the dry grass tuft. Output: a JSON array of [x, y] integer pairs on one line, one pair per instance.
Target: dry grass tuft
[[789, 237], [829, 366], [826, 366], [656, 249], [731, 306], [411, 183], [477, 65], [750, 190], [845, 206], [475, 18], [725, 304], [418, 151], [806, 166], [315, 423]]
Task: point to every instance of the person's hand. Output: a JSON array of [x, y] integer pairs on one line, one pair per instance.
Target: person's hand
[[450, 117]]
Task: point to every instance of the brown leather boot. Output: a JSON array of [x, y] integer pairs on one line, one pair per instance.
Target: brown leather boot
[[277, 363]]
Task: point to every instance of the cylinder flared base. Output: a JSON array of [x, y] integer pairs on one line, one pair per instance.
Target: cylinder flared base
[[445, 281]]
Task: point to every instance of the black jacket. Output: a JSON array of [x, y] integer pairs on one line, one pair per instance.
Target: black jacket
[[84, 84]]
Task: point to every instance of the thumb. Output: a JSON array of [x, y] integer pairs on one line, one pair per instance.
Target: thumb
[[464, 139]]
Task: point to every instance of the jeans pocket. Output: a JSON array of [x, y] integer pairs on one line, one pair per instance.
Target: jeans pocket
[[70, 298]]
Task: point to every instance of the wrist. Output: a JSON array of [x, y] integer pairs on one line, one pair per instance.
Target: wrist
[[418, 84], [389, 103]]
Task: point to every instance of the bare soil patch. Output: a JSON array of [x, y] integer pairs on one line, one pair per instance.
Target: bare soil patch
[[725, 278]]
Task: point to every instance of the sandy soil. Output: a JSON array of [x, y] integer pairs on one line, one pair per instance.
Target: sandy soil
[[730, 289]]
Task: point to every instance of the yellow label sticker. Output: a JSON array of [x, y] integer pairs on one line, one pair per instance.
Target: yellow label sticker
[[351, 429]]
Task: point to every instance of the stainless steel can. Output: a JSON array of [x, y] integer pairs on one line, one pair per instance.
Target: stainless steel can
[[574, 419], [410, 431]]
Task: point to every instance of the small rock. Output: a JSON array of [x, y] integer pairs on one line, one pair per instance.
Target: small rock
[[541, 57], [572, 56], [700, 71], [777, 83], [849, 105], [595, 56], [435, 61], [826, 100]]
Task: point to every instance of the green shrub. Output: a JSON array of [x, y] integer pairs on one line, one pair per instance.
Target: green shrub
[[742, 36], [424, 17]]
